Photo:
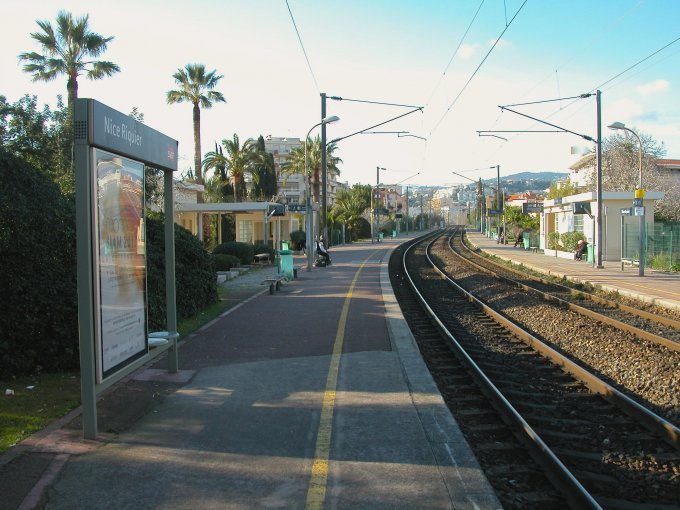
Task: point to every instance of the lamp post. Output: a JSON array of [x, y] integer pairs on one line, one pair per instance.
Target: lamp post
[[308, 204], [377, 201], [639, 196]]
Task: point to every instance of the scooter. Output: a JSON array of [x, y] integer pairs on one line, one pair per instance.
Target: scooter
[[321, 261]]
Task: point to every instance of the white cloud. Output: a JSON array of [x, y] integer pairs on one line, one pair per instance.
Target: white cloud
[[623, 110], [502, 43], [467, 51], [653, 87]]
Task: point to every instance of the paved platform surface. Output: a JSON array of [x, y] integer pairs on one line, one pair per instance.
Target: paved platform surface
[[657, 287], [313, 397]]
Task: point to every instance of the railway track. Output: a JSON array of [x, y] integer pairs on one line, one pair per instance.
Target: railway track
[[545, 438]]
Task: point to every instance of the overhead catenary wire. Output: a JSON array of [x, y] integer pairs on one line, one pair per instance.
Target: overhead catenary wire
[[460, 43], [477, 69], [309, 65]]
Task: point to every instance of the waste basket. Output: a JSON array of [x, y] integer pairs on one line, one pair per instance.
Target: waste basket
[[527, 243], [286, 268], [394, 234], [380, 236], [591, 253]]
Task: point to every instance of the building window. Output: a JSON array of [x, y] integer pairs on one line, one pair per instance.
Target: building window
[[245, 231], [578, 222]]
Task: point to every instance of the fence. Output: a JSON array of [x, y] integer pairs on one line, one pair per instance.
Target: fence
[[662, 245]]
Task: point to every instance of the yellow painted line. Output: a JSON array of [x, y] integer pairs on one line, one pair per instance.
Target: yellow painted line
[[316, 493]]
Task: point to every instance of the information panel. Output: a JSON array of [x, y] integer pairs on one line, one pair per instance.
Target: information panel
[[120, 248]]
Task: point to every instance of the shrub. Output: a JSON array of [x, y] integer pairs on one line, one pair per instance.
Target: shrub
[[222, 262], [194, 274], [264, 248], [39, 320], [554, 241], [569, 240], [297, 237], [243, 251]]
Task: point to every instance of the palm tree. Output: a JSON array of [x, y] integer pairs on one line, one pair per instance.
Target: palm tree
[[217, 161], [67, 51], [296, 162], [196, 87], [348, 209], [241, 160]]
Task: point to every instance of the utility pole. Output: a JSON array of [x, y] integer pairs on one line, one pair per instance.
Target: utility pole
[[324, 170], [407, 210], [377, 202], [499, 202], [421, 212], [598, 233]]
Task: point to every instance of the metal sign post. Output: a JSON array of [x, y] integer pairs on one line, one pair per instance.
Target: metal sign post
[[111, 150]]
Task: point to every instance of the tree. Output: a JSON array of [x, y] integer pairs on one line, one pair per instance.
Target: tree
[[620, 170], [67, 51], [349, 208], [296, 162], [265, 185], [196, 87], [241, 160], [42, 138], [563, 189]]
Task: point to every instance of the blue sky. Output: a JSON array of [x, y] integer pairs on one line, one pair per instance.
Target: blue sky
[[391, 51]]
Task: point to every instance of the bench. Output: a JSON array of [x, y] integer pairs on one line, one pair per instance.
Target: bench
[[262, 258], [534, 249], [630, 262], [273, 282]]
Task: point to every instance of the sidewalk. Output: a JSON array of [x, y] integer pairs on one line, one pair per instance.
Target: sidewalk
[[656, 287], [313, 397]]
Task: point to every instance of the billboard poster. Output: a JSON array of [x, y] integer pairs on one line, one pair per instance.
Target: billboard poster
[[120, 255]]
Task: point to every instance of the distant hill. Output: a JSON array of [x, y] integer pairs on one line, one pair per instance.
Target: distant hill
[[527, 181], [530, 176]]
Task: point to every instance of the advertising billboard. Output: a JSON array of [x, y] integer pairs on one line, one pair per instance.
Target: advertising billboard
[[121, 254]]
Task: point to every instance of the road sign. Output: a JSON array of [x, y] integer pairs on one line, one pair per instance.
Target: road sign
[[494, 211], [639, 211], [626, 211]]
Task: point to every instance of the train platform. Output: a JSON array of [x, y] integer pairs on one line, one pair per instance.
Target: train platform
[[656, 287], [315, 396]]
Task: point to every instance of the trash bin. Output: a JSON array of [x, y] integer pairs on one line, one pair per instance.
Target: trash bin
[[380, 236], [394, 234], [591, 253], [286, 268], [527, 243]]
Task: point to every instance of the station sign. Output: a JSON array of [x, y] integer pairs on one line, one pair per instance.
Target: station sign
[[626, 211], [638, 211], [637, 202], [532, 207], [299, 208], [494, 211]]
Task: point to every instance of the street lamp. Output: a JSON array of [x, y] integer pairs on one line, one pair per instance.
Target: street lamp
[[308, 204], [639, 196]]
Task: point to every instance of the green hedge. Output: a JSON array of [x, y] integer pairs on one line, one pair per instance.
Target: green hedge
[[39, 319], [243, 251], [222, 262], [194, 273], [38, 323], [569, 240]]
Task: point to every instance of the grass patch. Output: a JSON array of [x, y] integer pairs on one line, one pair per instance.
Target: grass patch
[[30, 410], [191, 324]]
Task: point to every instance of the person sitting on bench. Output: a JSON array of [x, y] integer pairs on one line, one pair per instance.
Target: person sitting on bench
[[321, 250], [582, 243]]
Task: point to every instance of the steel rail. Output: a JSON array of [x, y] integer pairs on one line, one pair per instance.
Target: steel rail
[[557, 472], [656, 424], [640, 333]]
